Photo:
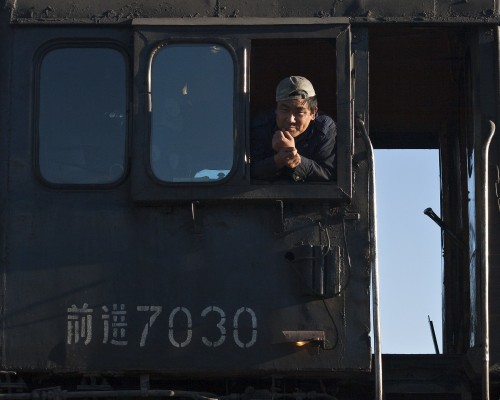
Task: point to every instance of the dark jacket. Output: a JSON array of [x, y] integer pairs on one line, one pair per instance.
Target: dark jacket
[[316, 147]]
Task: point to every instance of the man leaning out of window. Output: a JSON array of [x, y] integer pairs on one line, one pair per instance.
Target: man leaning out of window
[[294, 142]]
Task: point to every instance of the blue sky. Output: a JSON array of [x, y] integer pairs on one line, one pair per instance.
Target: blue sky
[[409, 249]]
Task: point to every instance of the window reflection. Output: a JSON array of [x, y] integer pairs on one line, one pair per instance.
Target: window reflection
[[82, 116], [192, 113]]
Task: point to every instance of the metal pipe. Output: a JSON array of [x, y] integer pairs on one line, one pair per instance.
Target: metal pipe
[[57, 394], [433, 333], [486, 267], [445, 228], [372, 215]]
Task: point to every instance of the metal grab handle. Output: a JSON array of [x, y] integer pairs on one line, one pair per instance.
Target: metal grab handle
[[372, 215], [486, 268]]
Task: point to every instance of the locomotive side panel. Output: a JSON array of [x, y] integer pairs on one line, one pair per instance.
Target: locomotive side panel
[[95, 281]]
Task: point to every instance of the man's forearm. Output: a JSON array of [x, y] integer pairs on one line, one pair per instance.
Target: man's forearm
[[310, 170]]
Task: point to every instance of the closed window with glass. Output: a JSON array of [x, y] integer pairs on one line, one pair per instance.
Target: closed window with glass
[[192, 128], [82, 119]]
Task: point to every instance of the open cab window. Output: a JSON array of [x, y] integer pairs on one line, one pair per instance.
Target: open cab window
[[197, 89]]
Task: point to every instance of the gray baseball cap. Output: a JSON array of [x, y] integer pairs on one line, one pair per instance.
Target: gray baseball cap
[[294, 87]]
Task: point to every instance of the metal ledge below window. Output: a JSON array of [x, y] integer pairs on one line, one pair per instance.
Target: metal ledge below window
[[310, 192]]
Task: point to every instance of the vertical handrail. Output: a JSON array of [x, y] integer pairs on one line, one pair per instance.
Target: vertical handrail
[[486, 268], [372, 216]]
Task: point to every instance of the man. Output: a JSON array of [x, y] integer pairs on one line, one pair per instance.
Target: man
[[294, 142]]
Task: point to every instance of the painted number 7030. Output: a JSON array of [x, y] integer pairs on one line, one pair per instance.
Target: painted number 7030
[[115, 320]]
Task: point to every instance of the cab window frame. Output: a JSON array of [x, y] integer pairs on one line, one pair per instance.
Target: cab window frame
[[238, 185], [81, 43]]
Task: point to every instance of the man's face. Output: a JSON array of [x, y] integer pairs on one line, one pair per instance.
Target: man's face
[[294, 116]]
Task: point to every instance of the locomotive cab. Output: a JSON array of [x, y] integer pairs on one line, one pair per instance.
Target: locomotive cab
[[139, 254]]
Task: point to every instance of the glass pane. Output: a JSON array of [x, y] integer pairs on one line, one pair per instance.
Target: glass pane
[[82, 121], [192, 113]]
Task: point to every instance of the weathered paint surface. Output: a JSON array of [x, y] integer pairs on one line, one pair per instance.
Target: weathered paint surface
[[372, 11]]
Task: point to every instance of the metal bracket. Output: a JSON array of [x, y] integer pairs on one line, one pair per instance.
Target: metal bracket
[[145, 383], [280, 218], [352, 216], [11, 383], [197, 216], [93, 382]]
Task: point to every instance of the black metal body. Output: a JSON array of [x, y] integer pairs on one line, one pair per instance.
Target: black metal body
[[208, 287]]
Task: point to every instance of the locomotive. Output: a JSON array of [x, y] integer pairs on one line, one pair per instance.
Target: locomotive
[[139, 257]]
